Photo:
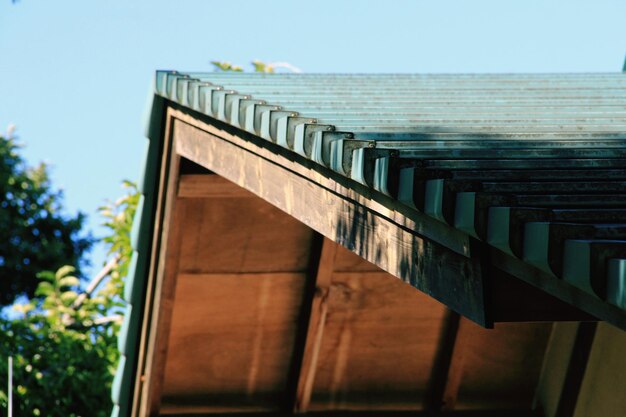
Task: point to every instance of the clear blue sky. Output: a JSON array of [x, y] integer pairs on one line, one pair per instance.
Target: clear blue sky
[[74, 75]]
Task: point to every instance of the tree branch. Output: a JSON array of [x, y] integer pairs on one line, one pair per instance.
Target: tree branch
[[106, 271]]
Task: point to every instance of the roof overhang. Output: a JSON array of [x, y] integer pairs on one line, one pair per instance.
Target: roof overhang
[[196, 162]]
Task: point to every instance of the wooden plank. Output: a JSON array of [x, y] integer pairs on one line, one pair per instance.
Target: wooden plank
[[387, 207], [497, 368], [209, 186], [347, 261], [232, 340], [380, 339], [441, 273], [164, 201], [230, 235], [165, 281], [404, 216], [317, 320]]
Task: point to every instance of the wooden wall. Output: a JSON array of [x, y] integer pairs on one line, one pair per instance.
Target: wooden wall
[[267, 316]]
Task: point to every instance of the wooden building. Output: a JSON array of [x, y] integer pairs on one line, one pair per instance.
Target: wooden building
[[395, 245]]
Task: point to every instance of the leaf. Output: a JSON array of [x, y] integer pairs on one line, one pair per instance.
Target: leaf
[[64, 271], [69, 281], [68, 297], [46, 275], [44, 289]]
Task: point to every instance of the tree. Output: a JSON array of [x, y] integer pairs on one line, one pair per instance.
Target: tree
[[35, 234], [64, 342]]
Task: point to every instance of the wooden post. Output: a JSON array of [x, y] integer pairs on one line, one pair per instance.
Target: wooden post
[[315, 330]]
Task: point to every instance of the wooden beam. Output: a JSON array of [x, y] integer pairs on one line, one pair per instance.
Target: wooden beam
[[576, 369], [166, 279], [164, 269], [386, 206], [152, 287], [514, 300], [496, 368], [456, 368], [558, 288], [452, 278], [434, 400], [231, 341], [209, 186], [315, 328], [458, 413]]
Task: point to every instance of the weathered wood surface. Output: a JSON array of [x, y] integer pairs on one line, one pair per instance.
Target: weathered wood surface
[[347, 261], [372, 343], [495, 369], [243, 271], [386, 207], [315, 328], [162, 313], [330, 182], [209, 186], [441, 273], [159, 288], [232, 340], [241, 234], [379, 342]]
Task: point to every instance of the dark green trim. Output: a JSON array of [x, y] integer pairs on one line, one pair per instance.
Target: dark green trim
[[141, 237]]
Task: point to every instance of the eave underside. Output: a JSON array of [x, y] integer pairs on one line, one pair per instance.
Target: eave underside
[[261, 308]]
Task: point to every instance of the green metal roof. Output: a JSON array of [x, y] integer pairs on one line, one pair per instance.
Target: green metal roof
[[533, 164]]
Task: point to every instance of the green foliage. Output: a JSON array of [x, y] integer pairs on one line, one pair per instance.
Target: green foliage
[[226, 66], [64, 341], [64, 353], [118, 217], [35, 235], [259, 66]]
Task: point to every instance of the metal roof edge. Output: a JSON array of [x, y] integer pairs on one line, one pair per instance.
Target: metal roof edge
[[141, 241]]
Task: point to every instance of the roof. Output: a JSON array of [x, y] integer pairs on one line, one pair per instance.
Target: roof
[[531, 164], [513, 141]]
